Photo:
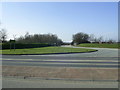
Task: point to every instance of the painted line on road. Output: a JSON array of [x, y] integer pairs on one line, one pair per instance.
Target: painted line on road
[[59, 63], [96, 55], [59, 60]]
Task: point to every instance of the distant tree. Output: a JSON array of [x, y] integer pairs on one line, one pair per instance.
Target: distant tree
[[80, 38], [100, 39], [92, 38], [20, 39], [111, 41], [96, 39], [3, 35], [14, 36], [40, 38]]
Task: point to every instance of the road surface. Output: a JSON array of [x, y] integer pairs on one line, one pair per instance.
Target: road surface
[[39, 83], [104, 58]]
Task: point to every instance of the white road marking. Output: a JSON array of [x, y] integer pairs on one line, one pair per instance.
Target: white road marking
[[51, 63], [64, 60]]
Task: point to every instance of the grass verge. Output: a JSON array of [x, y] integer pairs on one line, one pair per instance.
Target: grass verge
[[99, 45], [46, 50]]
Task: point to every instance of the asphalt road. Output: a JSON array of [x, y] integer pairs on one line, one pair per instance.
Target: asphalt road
[[39, 83], [104, 58]]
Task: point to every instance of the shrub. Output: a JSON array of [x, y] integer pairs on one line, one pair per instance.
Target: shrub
[[22, 46]]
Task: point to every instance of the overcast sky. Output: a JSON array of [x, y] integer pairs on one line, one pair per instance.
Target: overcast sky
[[61, 18]]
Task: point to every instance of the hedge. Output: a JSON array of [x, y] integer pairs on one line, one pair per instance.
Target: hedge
[[22, 46]]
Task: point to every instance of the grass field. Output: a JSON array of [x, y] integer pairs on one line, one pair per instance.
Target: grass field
[[99, 45], [46, 50]]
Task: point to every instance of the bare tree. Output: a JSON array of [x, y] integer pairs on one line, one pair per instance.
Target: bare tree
[[3, 35], [26, 34], [92, 38], [100, 39], [111, 41], [14, 36]]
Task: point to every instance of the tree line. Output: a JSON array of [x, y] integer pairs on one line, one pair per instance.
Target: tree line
[[40, 38], [53, 39], [81, 37]]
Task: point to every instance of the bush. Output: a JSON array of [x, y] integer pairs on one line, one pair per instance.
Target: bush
[[22, 46]]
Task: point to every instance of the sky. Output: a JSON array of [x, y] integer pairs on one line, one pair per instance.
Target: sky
[[61, 18]]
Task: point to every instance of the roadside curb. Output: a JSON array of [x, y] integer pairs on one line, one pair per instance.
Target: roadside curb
[[52, 53]]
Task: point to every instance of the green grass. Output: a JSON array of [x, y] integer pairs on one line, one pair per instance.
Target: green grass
[[46, 50], [99, 45]]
